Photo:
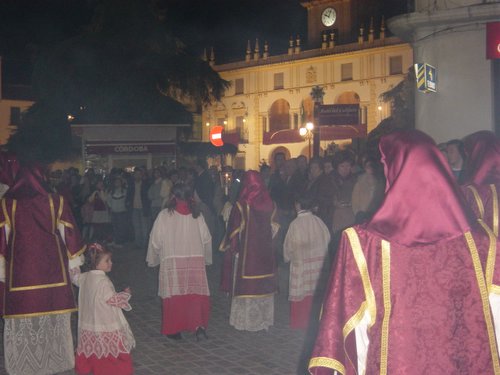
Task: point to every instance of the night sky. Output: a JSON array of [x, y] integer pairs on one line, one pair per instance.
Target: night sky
[[26, 25]]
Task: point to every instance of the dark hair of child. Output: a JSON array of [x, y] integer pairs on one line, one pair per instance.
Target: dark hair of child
[[183, 192], [95, 252], [306, 202]]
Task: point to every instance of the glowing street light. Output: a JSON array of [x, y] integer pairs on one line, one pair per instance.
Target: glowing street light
[[307, 133]]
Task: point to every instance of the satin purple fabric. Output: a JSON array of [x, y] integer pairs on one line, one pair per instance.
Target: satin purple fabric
[[423, 204], [424, 282], [483, 158], [9, 166], [254, 192]]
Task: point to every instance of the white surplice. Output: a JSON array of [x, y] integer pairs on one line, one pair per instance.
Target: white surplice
[[181, 245], [305, 247]]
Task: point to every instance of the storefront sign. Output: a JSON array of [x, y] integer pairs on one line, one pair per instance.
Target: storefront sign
[[338, 114], [107, 148], [493, 40]]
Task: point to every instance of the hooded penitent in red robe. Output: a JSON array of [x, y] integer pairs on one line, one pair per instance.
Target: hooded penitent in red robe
[[482, 176], [249, 235], [409, 291], [37, 280]]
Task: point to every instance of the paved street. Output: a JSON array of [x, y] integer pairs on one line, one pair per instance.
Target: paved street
[[227, 351]]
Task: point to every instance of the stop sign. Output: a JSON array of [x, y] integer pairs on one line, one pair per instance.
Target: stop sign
[[216, 135]]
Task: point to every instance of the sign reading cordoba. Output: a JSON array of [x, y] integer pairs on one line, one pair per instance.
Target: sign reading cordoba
[[106, 148]]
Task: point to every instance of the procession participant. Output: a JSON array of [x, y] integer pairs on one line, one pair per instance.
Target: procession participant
[[249, 270], [9, 166], [39, 241], [411, 289], [180, 243], [305, 247], [482, 176], [105, 339]]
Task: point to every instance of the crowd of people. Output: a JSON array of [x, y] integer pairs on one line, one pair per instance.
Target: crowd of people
[[400, 250]]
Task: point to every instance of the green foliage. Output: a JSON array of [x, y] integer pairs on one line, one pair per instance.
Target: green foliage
[[44, 136], [123, 67], [402, 99]]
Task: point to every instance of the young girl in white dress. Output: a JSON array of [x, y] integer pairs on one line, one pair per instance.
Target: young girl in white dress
[[104, 336]]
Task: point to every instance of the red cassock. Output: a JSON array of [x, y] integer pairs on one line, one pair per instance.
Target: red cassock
[[37, 279], [410, 290]]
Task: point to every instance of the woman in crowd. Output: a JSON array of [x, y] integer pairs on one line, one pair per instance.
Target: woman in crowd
[[181, 245], [100, 216], [368, 191], [344, 181], [117, 202], [249, 271], [413, 291]]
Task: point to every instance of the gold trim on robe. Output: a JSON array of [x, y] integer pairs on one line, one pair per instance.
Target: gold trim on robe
[[478, 200], [33, 315], [494, 197], [386, 290], [328, 363], [483, 290]]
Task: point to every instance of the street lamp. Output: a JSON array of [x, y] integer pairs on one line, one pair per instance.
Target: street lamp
[[307, 133]]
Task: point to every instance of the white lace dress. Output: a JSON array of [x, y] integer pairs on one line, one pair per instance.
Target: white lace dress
[[102, 328]]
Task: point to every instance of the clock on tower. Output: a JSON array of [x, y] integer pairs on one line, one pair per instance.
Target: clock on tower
[[326, 15]]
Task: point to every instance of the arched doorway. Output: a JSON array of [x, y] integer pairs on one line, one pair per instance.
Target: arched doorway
[[279, 115], [348, 97]]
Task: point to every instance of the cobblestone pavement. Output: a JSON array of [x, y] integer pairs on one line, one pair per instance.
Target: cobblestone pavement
[[280, 350]]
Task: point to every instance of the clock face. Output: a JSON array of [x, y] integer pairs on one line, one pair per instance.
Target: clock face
[[328, 17]]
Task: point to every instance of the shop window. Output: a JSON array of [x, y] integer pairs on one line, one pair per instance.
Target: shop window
[[346, 72]]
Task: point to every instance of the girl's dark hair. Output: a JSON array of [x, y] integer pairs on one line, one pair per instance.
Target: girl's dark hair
[[183, 192], [95, 252]]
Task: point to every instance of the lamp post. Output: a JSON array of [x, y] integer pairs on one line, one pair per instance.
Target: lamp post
[[317, 94], [307, 133]]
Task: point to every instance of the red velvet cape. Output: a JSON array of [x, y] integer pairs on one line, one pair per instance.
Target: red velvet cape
[[421, 271], [249, 235], [37, 279]]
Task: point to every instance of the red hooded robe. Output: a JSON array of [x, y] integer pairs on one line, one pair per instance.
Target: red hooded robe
[[482, 176], [37, 279], [249, 235], [417, 275]]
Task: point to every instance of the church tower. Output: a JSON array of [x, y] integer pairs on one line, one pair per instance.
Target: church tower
[[325, 16]]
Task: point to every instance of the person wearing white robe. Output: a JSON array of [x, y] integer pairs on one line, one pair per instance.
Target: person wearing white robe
[[181, 244], [305, 247]]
